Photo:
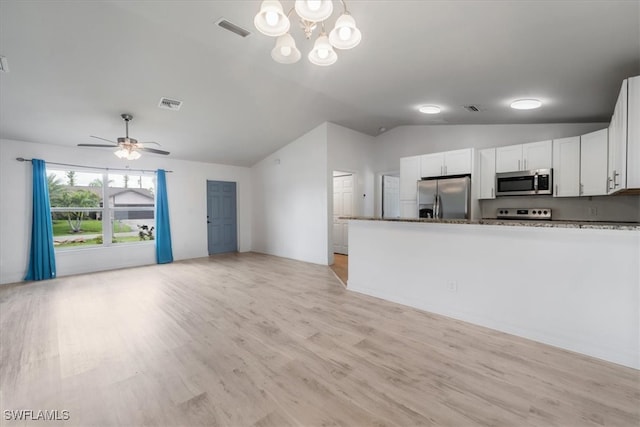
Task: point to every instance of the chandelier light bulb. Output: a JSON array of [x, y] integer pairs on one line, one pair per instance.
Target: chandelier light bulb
[[322, 52], [285, 51], [271, 18], [314, 10], [345, 35], [314, 5]]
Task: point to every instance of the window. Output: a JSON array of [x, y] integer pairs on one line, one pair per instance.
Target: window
[[87, 213]]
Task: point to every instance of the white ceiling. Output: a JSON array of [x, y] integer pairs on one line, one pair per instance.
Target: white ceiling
[[76, 65]]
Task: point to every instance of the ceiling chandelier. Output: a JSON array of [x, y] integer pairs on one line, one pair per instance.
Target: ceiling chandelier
[[272, 22]]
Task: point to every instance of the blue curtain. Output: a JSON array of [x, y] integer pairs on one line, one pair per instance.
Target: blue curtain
[[42, 258], [164, 254]]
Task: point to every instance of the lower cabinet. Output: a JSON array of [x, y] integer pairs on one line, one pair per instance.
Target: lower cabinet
[[408, 209]]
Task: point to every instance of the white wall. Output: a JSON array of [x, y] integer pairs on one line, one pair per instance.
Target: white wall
[[581, 293], [186, 189], [290, 200]]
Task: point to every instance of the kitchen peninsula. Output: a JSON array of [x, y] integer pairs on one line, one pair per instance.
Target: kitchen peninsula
[[571, 285]]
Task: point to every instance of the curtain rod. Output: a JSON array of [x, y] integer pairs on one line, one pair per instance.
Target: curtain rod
[[22, 159]]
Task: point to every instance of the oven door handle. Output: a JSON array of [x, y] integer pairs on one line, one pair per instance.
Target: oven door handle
[[535, 182]]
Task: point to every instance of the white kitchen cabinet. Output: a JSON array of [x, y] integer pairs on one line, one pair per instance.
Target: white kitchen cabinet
[[593, 163], [455, 162], [624, 139], [520, 157], [409, 177], [432, 165], [509, 158], [408, 209], [566, 167], [487, 173], [537, 155], [633, 133], [618, 144]]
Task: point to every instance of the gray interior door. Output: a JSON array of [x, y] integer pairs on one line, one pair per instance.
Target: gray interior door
[[222, 229]]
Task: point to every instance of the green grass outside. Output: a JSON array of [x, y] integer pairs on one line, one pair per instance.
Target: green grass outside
[[98, 241], [61, 227]]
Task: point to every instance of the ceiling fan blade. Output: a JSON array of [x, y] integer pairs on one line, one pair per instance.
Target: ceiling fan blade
[[104, 139], [153, 150], [98, 145], [151, 142]]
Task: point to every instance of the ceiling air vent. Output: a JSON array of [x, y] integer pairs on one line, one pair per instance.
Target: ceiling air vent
[[472, 108], [170, 104], [4, 65], [223, 23]]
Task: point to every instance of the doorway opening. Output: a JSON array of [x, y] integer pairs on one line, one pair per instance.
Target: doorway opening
[[222, 222], [343, 205], [391, 196]]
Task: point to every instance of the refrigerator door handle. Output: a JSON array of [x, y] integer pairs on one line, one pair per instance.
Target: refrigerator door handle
[[436, 214]]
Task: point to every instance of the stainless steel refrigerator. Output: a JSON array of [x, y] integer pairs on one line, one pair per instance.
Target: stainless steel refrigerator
[[444, 197]]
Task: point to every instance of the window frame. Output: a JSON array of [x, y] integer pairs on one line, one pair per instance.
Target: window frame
[[107, 212]]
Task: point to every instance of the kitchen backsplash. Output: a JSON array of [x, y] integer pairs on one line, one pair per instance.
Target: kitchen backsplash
[[596, 208]]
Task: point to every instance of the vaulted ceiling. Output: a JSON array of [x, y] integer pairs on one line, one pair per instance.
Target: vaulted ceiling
[[76, 65]]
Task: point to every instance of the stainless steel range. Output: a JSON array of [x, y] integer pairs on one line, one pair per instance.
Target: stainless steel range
[[527, 213]]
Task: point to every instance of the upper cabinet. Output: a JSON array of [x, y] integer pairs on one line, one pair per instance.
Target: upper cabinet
[[534, 155], [487, 173], [566, 167], [409, 177], [617, 170], [456, 162], [624, 139], [593, 163]]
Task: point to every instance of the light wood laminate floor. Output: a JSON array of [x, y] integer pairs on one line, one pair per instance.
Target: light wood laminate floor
[[255, 340]]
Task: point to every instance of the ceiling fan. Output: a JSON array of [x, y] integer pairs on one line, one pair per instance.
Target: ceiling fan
[[128, 148]]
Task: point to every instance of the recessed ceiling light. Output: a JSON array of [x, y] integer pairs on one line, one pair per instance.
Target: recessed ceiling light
[[429, 109], [526, 104], [382, 129]]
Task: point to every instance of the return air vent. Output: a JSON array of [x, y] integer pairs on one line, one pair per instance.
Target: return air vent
[[472, 108], [170, 104], [223, 23]]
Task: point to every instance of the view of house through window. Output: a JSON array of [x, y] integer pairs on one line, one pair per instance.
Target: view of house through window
[[90, 208]]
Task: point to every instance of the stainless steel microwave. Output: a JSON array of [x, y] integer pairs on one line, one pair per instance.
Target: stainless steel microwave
[[524, 183]]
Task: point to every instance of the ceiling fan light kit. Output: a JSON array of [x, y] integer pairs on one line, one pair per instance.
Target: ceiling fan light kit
[[272, 22], [127, 148]]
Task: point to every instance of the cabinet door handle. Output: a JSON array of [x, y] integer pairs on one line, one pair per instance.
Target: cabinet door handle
[[518, 164], [525, 164], [581, 189], [615, 181], [556, 189], [609, 180], [445, 169], [492, 196]]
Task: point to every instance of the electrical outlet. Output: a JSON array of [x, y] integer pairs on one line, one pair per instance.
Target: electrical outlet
[[592, 212], [452, 286]]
